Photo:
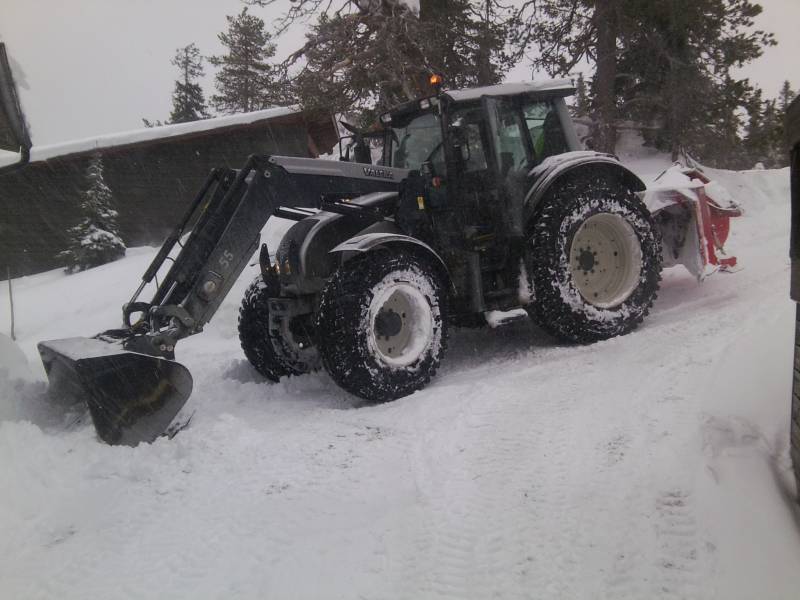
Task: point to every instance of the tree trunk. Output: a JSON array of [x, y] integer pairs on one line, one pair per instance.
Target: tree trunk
[[484, 59], [605, 19]]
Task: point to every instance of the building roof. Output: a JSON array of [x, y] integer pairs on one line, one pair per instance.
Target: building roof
[[563, 87], [153, 134]]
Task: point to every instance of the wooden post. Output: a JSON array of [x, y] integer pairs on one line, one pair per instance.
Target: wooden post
[[11, 302]]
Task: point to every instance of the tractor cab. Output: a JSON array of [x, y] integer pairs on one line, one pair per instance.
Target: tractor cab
[[498, 129], [472, 155]]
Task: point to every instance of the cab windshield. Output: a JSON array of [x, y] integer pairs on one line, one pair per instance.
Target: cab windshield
[[417, 141]]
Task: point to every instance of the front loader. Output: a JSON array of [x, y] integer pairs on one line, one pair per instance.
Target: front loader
[[482, 200], [128, 376]]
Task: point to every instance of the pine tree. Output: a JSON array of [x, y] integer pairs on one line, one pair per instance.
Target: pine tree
[[245, 80], [368, 55], [681, 54], [667, 63], [756, 141], [776, 151], [582, 107], [95, 239], [786, 97], [188, 102]]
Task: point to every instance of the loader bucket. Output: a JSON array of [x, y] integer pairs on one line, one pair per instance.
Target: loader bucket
[[132, 397]]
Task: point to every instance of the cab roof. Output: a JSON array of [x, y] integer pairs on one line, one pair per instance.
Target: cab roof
[[558, 88], [551, 87]]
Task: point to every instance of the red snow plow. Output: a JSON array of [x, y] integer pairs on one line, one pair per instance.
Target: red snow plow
[[693, 213]]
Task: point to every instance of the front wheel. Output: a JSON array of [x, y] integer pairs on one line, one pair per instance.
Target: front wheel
[[382, 325], [595, 259], [254, 330]]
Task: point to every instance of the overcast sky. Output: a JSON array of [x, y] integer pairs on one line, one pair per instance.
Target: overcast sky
[[88, 67]]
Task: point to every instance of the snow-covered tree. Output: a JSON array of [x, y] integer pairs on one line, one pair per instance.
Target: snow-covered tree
[[95, 239], [246, 81], [582, 107], [188, 102]]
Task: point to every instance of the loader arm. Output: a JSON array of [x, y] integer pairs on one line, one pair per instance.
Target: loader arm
[[230, 211], [233, 208]]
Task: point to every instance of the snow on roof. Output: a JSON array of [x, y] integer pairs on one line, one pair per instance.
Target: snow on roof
[[507, 89], [41, 153], [8, 158]]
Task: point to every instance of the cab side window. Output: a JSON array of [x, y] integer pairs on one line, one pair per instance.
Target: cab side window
[[544, 127], [471, 122], [511, 150]]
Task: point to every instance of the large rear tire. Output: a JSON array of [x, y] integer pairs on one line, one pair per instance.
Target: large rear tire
[[382, 325], [595, 260]]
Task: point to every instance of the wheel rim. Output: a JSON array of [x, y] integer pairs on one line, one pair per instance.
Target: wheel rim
[[605, 260], [401, 324]]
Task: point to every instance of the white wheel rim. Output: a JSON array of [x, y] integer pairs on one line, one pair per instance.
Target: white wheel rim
[[401, 324], [605, 260]]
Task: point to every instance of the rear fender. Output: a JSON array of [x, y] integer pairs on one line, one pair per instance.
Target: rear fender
[[556, 169], [373, 241]]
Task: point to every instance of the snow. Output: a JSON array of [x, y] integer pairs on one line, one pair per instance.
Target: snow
[[8, 158], [511, 88], [660, 193], [40, 153], [647, 466]]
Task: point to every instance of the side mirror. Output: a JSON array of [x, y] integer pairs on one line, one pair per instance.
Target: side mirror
[[346, 156], [361, 151], [14, 137], [459, 142]]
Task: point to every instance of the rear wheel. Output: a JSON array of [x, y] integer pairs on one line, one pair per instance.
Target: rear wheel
[[382, 325], [595, 261]]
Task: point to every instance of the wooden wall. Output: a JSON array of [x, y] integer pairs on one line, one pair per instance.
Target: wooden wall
[[153, 182]]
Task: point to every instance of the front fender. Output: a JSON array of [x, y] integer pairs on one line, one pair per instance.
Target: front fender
[[371, 241]]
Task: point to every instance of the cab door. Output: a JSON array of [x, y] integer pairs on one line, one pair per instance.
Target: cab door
[[511, 159], [470, 180]]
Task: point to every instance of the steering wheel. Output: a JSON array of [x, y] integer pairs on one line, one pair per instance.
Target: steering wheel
[[436, 148]]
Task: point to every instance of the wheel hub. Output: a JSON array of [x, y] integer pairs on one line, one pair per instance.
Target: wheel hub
[[401, 324], [605, 260], [586, 260], [388, 323]]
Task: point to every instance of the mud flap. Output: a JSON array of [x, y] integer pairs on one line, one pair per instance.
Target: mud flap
[[131, 397]]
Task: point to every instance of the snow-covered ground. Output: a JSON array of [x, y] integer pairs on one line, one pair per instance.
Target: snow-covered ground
[[649, 466]]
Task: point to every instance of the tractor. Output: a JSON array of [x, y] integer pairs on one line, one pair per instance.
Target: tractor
[[481, 200]]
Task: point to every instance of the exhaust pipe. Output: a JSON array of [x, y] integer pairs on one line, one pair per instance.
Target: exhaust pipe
[[132, 397]]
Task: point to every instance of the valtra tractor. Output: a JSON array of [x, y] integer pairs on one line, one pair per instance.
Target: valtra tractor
[[482, 200]]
